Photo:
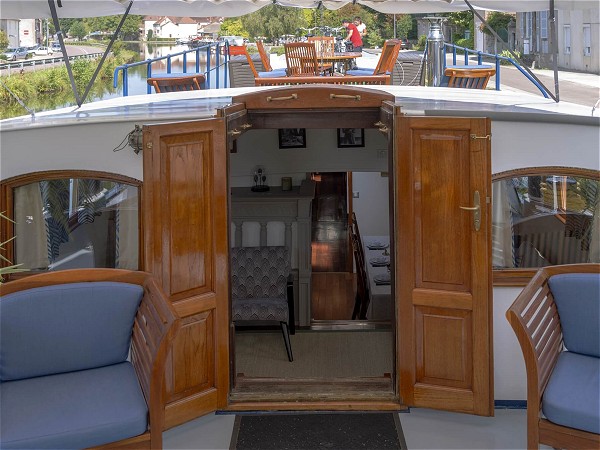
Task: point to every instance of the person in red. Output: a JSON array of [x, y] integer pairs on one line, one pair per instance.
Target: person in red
[[353, 35]]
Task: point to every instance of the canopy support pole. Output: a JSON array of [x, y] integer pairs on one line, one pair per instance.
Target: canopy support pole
[[527, 69], [554, 48], [106, 52], [80, 100], [63, 49]]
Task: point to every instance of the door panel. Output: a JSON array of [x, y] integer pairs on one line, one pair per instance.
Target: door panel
[[443, 270], [186, 238]]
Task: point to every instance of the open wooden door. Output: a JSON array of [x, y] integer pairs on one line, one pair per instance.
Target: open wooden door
[[443, 264], [186, 243]]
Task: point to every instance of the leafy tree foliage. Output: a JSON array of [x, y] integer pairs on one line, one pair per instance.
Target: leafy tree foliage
[[3, 39], [273, 21], [498, 21], [78, 30], [233, 27]]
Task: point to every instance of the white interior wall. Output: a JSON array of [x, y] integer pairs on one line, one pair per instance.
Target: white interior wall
[[514, 145]]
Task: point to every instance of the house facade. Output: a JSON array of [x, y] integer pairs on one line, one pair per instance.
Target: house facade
[[577, 34], [170, 27]]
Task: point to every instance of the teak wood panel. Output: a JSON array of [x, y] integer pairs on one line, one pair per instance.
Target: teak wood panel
[[443, 269], [185, 180]]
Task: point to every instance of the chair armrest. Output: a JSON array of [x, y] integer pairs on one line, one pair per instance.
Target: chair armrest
[[290, 299], [154, 328]]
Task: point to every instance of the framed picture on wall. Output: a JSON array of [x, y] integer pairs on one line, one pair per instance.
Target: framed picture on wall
[[292, 138], [350, 137]]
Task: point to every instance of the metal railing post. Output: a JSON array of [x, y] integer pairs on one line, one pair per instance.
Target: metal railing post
[[149, 75], [198, 60], [185, 63], [125, 83], [168, 63], [497, 73]]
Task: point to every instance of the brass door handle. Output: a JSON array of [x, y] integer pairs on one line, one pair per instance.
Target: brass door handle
[[476, 210]]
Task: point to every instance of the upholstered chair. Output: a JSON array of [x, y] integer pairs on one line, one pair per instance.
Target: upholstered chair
[[259, 288]]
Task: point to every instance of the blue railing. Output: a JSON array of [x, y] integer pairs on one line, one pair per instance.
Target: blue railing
[[497, 60], [221, 61]]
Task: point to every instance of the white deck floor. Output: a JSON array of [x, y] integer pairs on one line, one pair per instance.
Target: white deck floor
[[423, 429]]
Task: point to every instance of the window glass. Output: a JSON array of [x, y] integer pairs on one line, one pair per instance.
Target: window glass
[[76, 223], [545, 220], [587, 39], [567, 31]]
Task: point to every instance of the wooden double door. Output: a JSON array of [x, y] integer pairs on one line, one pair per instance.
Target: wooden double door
[[440, 185]]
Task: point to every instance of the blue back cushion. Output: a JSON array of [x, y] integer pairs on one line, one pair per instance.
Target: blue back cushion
[[577, 297], [67, 327]]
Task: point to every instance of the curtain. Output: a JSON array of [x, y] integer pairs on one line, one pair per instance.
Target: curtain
[[126, 224], [502, 236], [31, 243]]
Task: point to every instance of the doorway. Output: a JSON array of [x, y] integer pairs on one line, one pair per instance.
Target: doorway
[[333, 283]]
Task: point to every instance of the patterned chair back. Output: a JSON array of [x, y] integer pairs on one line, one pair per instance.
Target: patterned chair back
[[259, 272]]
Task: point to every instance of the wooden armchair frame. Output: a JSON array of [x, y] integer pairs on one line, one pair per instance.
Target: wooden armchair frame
[[388, 57], [301, 59], [154, 328], [469, 78], [534, 319], [264, 56], [177, 84]]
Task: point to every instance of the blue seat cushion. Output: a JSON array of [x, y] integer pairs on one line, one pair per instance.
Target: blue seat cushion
[[273, 73], [359, 72], [66, 327], [72, 410], [577, 297], [275, 309], [572, 397]]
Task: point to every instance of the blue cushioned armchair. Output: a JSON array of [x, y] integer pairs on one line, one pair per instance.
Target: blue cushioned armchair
[[260, 290], [83, 360], [557, 321]]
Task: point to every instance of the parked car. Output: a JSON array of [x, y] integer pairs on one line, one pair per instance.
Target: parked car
[[12, 54], [43, 51]]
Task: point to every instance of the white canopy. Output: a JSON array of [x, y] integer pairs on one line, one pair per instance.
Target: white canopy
[[23, 9]]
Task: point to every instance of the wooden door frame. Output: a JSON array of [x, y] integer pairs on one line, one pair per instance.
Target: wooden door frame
[[263, 114]]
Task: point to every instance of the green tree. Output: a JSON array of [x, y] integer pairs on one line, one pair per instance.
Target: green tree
[[3, 40], [233, 27], [274, 21], [496, 20], [78, 30], [149, 36]]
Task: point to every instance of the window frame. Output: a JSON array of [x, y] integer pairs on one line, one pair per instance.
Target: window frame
[[520, 277], [8, 186], [567, 39], [587, 39]]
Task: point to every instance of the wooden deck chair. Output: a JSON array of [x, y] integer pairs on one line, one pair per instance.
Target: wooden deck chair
[[301, 59], [269, 72], [386, 62], [177, 84], [469, 78], [324, 46]]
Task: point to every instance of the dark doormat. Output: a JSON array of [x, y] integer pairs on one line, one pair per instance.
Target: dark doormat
[[340, 431]]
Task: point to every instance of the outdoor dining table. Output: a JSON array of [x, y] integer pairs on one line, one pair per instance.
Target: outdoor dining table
[[381, 305], [345, 58]]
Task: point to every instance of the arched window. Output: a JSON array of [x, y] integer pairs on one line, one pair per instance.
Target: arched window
[[66, 220], [541, 217]]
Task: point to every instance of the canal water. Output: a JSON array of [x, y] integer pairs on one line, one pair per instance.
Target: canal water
[[137, 75]]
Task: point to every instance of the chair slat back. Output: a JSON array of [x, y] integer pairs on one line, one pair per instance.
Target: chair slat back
[[251, 63], [264, 57], [324, 45], [301, 59], [162, 85], [469, 78], [389, 55]]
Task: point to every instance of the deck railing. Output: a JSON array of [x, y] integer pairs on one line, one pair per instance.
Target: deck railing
[[454, 49], [219, 49]]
